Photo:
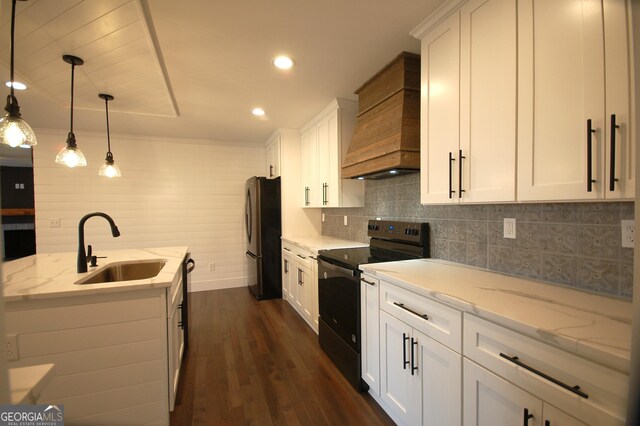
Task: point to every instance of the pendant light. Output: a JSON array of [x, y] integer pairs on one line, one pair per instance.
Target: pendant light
[[70, 155], [109, 168], [14, 131]]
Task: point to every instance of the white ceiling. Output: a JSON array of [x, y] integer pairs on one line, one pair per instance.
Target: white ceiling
[[196, 68]]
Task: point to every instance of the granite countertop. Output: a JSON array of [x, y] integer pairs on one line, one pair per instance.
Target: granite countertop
[[50, 275], [596, 327], [27, 383], [322, 242]]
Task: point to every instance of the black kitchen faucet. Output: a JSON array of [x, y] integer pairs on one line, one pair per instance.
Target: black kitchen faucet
[[82, 255]]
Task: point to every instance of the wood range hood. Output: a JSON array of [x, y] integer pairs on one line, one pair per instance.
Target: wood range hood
[[386, 139]]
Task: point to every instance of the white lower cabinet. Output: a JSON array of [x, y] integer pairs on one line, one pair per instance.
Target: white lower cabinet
[[370, 332], [300, 282], [420, 378]]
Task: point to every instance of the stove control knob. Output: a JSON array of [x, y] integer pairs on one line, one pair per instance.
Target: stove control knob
[[415, 232]]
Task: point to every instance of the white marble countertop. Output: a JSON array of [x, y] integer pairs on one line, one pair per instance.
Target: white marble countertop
[[26, 383], [596, 327], [315, 243], [50, 275]]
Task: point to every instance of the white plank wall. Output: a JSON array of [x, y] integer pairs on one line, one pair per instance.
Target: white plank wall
[[171, 193]]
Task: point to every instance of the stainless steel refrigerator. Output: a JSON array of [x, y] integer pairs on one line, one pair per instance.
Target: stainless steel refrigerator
[[263, 233]]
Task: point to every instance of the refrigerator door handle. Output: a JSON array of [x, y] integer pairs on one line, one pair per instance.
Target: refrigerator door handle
[[191, 265], [251, 255], [248, 216]]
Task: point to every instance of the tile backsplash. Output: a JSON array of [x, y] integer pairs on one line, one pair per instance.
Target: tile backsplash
[[572, 244]]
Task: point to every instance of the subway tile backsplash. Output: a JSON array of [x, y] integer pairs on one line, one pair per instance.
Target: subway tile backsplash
[[571, 244]]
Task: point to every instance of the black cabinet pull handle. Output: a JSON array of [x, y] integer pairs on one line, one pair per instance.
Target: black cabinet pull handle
[[575, 389], [527, 416], [413, 366], [270, 171], [301, 257], [460, 157], [401, 305], [547, 423], [286, 266], [405, 361], [180, 324], [612, 164], [590, 179], [286, 249], [368, 282], [451, 160]]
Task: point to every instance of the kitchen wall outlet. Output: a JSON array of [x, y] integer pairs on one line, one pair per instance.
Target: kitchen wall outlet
[[323, 217], [346, 222], [628, 233], [509, 228], [212, 267], [54, 222], [11, 347]]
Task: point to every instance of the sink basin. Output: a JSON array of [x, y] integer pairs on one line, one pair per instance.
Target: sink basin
[[125, 271]]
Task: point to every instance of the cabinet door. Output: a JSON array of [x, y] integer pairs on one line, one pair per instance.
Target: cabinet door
[[288, 276], [370, 331], [487, 101], [328, 167], [618, 102], [305, 296], [561, 87], [314, 194], [440, 369], [273, 158], [396, 380], [551, 416], [490, 400], [439, 112]]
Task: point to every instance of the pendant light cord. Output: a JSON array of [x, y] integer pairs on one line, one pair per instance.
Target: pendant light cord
[[73, 67], [13, 30], [106, 107]]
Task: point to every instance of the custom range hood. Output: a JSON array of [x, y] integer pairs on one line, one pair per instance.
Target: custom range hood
[[386, 139]]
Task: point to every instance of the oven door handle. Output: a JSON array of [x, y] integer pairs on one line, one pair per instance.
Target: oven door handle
[[340, 269]]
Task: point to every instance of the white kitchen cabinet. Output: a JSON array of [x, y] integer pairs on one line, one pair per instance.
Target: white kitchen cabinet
[[175, 332], [370, 331], [570, 84], [468, 111], [273, 156], [420, 377], [299, 282], [324, 141], [583, 389], [490, 400]]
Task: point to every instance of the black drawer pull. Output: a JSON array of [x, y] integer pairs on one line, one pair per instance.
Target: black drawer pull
[[368, 282], [413, 366], [301, 257], [575, 389], [401, 305], [527, 416], [286, 249], [405, 361]]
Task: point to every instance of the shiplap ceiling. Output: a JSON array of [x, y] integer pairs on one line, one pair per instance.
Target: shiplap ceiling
[[196, 68]]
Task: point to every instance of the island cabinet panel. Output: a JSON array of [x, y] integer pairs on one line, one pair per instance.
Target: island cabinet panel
[[109, 351]]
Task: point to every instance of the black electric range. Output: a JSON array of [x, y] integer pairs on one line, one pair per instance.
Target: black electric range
[[339, 288]]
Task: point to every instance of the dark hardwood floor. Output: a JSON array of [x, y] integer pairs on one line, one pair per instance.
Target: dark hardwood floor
[[259, 363]]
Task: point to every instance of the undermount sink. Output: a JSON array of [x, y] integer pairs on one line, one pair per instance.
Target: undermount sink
[[125, 271]]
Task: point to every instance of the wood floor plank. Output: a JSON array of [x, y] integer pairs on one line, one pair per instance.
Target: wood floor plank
[[259, 363]]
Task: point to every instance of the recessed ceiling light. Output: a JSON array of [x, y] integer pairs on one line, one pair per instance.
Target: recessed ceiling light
[[393, 172], [283, 62], [16, 85], [361, 178], [258, 112]]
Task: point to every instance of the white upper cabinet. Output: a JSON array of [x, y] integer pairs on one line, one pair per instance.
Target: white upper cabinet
[[566, 103], [468, 111], [325, 140], [527, 100], [273, 156]]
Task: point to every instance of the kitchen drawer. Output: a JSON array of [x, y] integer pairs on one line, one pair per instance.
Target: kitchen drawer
[[442, 323], [484, 342]]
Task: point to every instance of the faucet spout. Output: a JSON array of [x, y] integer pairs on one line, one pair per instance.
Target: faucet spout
[[82, 255]]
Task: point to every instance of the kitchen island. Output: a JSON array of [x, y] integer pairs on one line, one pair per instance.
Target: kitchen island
[[514, 346], [115, 352]]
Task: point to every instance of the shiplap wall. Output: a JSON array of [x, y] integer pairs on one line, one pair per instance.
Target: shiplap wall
[[171, 193]]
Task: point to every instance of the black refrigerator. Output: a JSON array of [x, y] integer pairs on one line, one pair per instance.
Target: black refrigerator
[[262, 235]]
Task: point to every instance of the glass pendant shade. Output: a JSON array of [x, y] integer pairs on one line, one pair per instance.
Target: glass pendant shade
[[14, 131], [71, 157], [109, 170]]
